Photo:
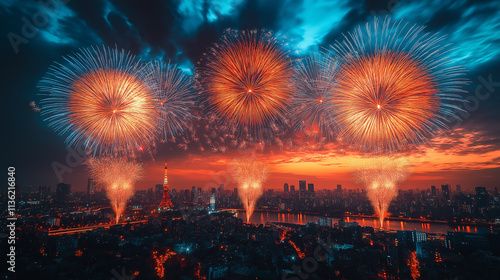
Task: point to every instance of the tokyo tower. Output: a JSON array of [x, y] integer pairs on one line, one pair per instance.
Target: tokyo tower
[[166, 203]]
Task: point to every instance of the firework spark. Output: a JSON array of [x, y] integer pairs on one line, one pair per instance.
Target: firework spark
[[315, 80], [249, 174], [396, 87], [34, 106], [381, 176], [175, 96], [118, 177], [246, 78], [99, 97]]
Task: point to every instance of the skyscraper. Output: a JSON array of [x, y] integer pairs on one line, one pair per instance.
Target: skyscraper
[[166, 203], [445, 190], [193, 193], [212, 202], [339, 188], [91, 187], [481, 197], [310, 188], [158, 192], [433, 190], [43, 192], [459, 189], [302, 186], [292, 188], [62, 193], [221, 189], [285, 187]]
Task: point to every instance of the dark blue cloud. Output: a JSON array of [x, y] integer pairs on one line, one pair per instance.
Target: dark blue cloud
[[181, 31]]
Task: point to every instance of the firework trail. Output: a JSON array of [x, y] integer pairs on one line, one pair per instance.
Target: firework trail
[[381, 175], [249, 174], [312, 105], [118, 177], [174, 93], [99, 97], [397, 86], [246, 79]]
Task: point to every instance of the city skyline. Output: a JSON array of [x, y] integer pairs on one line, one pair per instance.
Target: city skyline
[[213, 170]]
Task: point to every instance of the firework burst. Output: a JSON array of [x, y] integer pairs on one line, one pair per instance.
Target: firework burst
[[396, 86], [315, 80], [246, 79], [250, 174], [175, 96], [118, 177], [381, 176], [99, 97]]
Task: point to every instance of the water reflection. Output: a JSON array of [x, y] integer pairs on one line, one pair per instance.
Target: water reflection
[[301, 218]]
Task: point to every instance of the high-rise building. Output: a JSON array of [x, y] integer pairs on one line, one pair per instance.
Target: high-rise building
[[310, 188], [221, 189], [433, 190], [285, 188], [302, 186], [198, 195], [158, 192], [339, 188], [325, 222], [445, 190], [408, 238], [481, 197], [166, 203], [459, 189], [150, 194], [292, 188], [62, 193], [235, 191], [212, 202], [43, 192], [91, 187]]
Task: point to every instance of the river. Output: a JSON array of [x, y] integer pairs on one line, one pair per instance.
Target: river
[[262, 217]]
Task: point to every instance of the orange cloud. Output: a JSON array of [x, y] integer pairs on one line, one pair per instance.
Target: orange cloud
[[466, 158]]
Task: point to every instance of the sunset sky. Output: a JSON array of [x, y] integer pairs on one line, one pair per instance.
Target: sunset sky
[[181, 31]]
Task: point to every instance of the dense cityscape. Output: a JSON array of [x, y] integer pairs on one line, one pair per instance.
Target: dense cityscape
[[297, 233]]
